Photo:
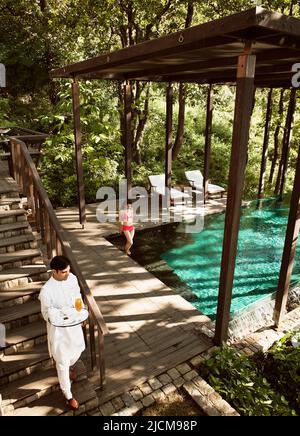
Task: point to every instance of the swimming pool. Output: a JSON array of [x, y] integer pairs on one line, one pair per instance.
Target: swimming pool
[[190, 263], [260, 248]]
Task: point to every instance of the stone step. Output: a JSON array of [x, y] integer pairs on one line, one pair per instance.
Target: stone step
[[10, 203], [55, 403], [22, 276], [23, 363], [15, 243], [19, 258], [20, 315], [32, 387], [12, 216], [25, 337], [8, 186], [14, 229], [19, 294]]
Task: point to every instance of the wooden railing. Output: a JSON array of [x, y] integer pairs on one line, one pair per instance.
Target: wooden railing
[[32, 139], [53, 236]]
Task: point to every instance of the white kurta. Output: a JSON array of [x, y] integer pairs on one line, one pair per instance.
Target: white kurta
[[65, 343]]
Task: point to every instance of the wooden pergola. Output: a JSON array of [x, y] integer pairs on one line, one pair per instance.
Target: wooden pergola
[[255, 48]]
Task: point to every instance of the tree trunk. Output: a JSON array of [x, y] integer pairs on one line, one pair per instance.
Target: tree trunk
[[182, 95], [142, 120], [121, 113], [127, 37], [261, 187], [43, 5], [285, 144], [276, 138]]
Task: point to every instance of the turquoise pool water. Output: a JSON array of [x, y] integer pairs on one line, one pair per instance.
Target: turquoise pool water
[[260, 247]]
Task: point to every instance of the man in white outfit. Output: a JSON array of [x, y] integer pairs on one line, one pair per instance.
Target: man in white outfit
[[65, 343]]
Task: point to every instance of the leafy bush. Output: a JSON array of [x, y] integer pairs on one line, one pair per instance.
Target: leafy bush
[[281, 365], [240, 383]]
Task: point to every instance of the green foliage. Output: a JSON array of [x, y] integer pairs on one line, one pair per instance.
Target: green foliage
[[281, 367], [100, 143], [236, 378], [35, 40]]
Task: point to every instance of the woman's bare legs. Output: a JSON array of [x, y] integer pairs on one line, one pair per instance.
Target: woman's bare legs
[[129, 241]]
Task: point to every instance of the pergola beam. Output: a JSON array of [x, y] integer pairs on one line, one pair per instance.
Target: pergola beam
[[210, 33], [242, 117], [229, 76], [210, 65]]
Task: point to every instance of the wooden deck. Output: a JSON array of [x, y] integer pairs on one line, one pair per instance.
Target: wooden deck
[[152, 329]]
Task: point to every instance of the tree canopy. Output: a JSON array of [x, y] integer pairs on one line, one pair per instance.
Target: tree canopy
[[41, 35]]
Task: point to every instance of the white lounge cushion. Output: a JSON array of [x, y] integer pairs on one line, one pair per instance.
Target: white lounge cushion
[[158, 183], [195, 178]]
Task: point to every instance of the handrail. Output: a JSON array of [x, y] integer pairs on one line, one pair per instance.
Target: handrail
[[53, 235]]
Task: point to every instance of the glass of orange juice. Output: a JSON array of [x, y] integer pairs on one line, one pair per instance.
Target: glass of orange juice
[[78, 304]]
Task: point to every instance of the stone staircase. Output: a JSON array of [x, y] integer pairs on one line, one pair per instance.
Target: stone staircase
[[28, 379]]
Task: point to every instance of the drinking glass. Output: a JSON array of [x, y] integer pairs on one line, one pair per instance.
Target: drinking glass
[[78, 304]]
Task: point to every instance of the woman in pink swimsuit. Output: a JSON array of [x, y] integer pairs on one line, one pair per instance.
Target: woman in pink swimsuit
[[126, 226]]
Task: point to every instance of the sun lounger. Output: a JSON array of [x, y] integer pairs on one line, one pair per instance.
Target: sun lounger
[[195, 179]]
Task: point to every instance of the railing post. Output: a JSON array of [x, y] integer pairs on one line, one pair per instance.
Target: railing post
[[36, 206], [30, 194], [52, 241], [23, 174], [58, 246], [18, 157], [12, 146], [40, 217], [101, 358], [47, 235], [92, 342]]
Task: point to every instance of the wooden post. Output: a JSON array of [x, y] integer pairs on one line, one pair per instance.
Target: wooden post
[[288, 257], [101, 358], [37, 208], [12, 147], [261, 186], [78, 153], [208, 131], [287, 136], [169, 145], [92, 342], [128, 134], [242, 116], [41, 214], [58, 246], [47, 235]]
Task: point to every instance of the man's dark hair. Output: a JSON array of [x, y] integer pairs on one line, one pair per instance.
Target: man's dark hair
[[59, 263]]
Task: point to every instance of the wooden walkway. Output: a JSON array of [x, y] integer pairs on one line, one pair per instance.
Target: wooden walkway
[[152, 329]]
